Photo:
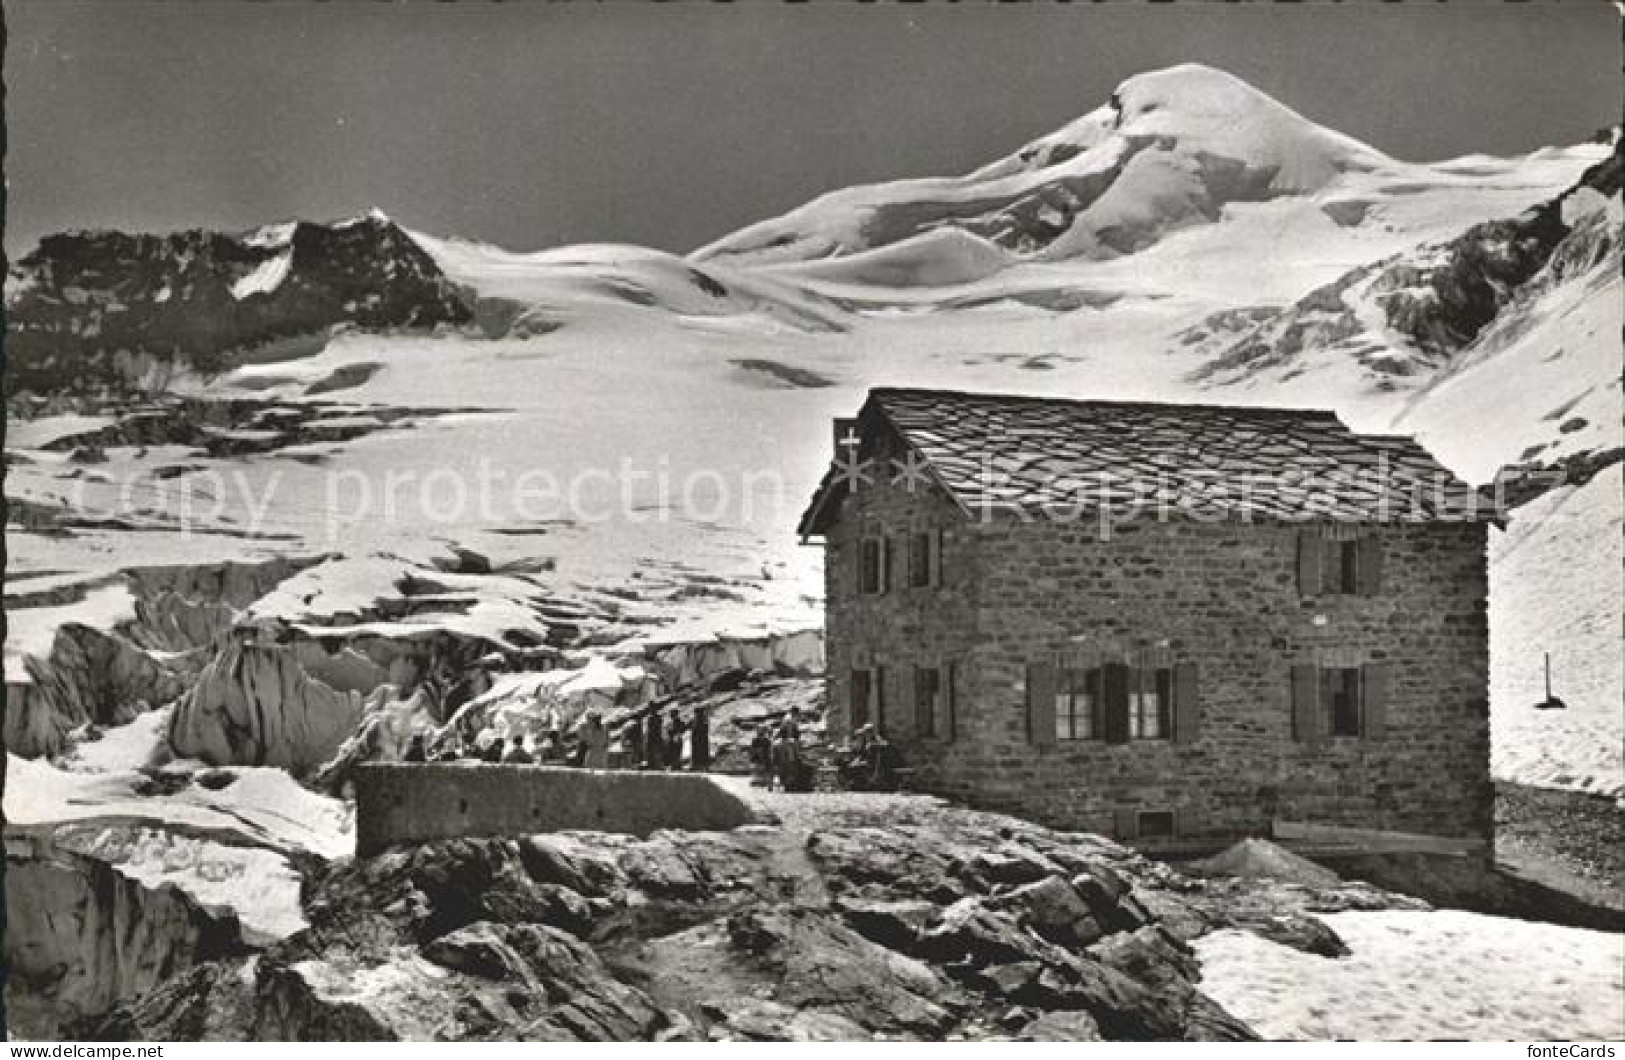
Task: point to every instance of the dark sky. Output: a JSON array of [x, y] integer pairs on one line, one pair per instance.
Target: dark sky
[[535, 124]]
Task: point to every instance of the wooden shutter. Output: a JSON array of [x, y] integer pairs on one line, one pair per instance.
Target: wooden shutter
[[1041, 704], [1306, 704], [936, 558], [1187, 723], [888, 556], [1374, 700], [1114, 690], [1127, 823], [1094, 681], [950, 700], [1311, 555], [1369, 565]]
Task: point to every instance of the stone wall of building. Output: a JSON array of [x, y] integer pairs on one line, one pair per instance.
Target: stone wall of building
[[1222, 596], [891, 633], [401, 803]]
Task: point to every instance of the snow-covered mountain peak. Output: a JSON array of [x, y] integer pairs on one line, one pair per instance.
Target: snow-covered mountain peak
[[1203, 109], [1170, 149], [371, 215]]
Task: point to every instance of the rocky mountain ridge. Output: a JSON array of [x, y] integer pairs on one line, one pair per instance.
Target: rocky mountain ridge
[[91, 310], [1434, 300]]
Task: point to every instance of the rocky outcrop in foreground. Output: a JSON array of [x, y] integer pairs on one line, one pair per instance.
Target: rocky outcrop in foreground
[[956, 925]]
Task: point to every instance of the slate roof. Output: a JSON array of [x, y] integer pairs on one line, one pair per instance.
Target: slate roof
[[1000, 453]]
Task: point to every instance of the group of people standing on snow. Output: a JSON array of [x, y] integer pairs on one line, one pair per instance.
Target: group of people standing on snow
[[654, 742]]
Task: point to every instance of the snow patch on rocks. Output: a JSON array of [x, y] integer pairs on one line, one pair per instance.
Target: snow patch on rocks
[[1423, 976]]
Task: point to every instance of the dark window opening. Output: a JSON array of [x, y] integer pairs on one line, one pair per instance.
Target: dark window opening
[[1151, 702], [1155, 824], [1340, 697], [1348, 567], [1340, 567], [927, 692], [919, 559], [859, 711], [1079, 705], [869, 556]]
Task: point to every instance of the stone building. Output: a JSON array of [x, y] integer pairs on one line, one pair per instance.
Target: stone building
[[1172, 623]]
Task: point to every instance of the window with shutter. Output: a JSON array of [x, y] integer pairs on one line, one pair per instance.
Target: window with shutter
[[1334, 563], [878, 698], [1078, 705], [888, 564], [951, 703], [1041, 704], [936, 557]]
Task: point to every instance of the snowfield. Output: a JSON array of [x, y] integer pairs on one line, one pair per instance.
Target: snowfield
[[1557, 576], [1424, 976]]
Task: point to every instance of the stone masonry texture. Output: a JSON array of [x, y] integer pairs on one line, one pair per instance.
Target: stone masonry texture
[[1222, 595]]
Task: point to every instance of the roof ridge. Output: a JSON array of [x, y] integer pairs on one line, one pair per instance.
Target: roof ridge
[[1029, 453], [1280, 410]]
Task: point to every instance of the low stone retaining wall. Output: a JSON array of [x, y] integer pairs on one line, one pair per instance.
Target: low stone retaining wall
[[404, 803]]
